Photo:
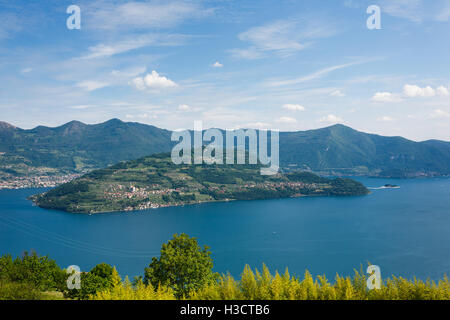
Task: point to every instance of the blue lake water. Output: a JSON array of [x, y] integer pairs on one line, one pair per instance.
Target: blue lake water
[[405, 231]]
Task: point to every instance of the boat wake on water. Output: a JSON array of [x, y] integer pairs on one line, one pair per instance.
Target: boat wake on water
[[386, 186]]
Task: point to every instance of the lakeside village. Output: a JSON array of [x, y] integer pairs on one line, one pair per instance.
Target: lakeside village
[[35, 181], [149, 197]]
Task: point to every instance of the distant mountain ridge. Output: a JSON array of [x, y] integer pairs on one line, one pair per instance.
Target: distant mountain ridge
[[342, 150], [334, 150], [76, 146]]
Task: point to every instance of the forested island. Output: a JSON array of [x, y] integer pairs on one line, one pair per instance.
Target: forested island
[[155, 181]]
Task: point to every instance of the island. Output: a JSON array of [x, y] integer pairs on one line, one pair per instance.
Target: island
[[155, 182]]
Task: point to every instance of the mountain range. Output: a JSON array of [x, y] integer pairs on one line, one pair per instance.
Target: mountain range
[[334, 150]]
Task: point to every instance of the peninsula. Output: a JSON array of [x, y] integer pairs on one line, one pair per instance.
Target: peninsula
[[154, 182]]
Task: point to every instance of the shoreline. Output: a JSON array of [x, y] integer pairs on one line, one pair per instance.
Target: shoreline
[[192, 204], [70, 177]]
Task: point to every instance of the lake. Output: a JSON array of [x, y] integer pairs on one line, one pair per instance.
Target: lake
[[405, 231]]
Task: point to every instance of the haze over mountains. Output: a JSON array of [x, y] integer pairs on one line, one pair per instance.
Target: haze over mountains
[[337, 149]]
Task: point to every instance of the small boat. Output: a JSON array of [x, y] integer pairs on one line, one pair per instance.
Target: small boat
[[391, 186]]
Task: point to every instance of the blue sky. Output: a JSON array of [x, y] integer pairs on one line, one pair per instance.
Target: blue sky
[[284, 64]]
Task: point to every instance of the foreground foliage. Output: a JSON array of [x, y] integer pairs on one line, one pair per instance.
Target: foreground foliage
[[184, 271], [33, 271], [255, 285], [183, 266], [265, 286]]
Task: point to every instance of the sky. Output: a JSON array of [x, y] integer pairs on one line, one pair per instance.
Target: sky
[[281, 64]]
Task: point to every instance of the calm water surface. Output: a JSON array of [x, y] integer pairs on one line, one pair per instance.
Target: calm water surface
[[405, 231]]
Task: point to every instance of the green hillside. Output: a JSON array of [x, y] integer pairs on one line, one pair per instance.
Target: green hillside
[[335, 150], [154, 181], [76, 146], [341, 150]]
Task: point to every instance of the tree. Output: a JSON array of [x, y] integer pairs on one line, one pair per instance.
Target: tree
[[100, 278], [115, 278], [40, 272], [183, 265]]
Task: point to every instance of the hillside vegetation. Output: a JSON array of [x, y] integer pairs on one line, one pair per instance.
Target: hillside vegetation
[[155, 181], [336, 150]]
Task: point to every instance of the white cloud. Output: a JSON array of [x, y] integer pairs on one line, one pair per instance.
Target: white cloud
[[440, 114], [142, 116], [129, 72], [142, 15], [294, 107], [331, 118], [337, 93], [217, 64], [91, 85], [81, 107], [256, 125], [406, 9], [312, 76], [286, 120], [153, 81], [184, 107], [26, 70], [412, 91], [385, 97], [282, 37], [386, 119], [107, 50], [442, 91], [413, 10], [444, 13], [138, 83], [248, 53]]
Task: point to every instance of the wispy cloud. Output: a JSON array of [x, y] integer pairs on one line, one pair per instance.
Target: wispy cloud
[[136, 15], [107, 50], [330, 119], [337, 93], [386, 119], [385, 97], [312, 76], [282, 37], [91, 85], [294, 107], [81, 107], [440, 114], [286, 120], [407, 9], [444, 13], [10, 25], [184, 107], [412, 10], [26, 70]]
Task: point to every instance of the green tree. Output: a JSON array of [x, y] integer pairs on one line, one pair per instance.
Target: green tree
[[40, 272], [101, 277], [183, 265]]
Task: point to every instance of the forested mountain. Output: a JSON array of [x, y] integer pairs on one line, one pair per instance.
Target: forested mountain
[[333, 150], [76, 146], [343, 150]]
